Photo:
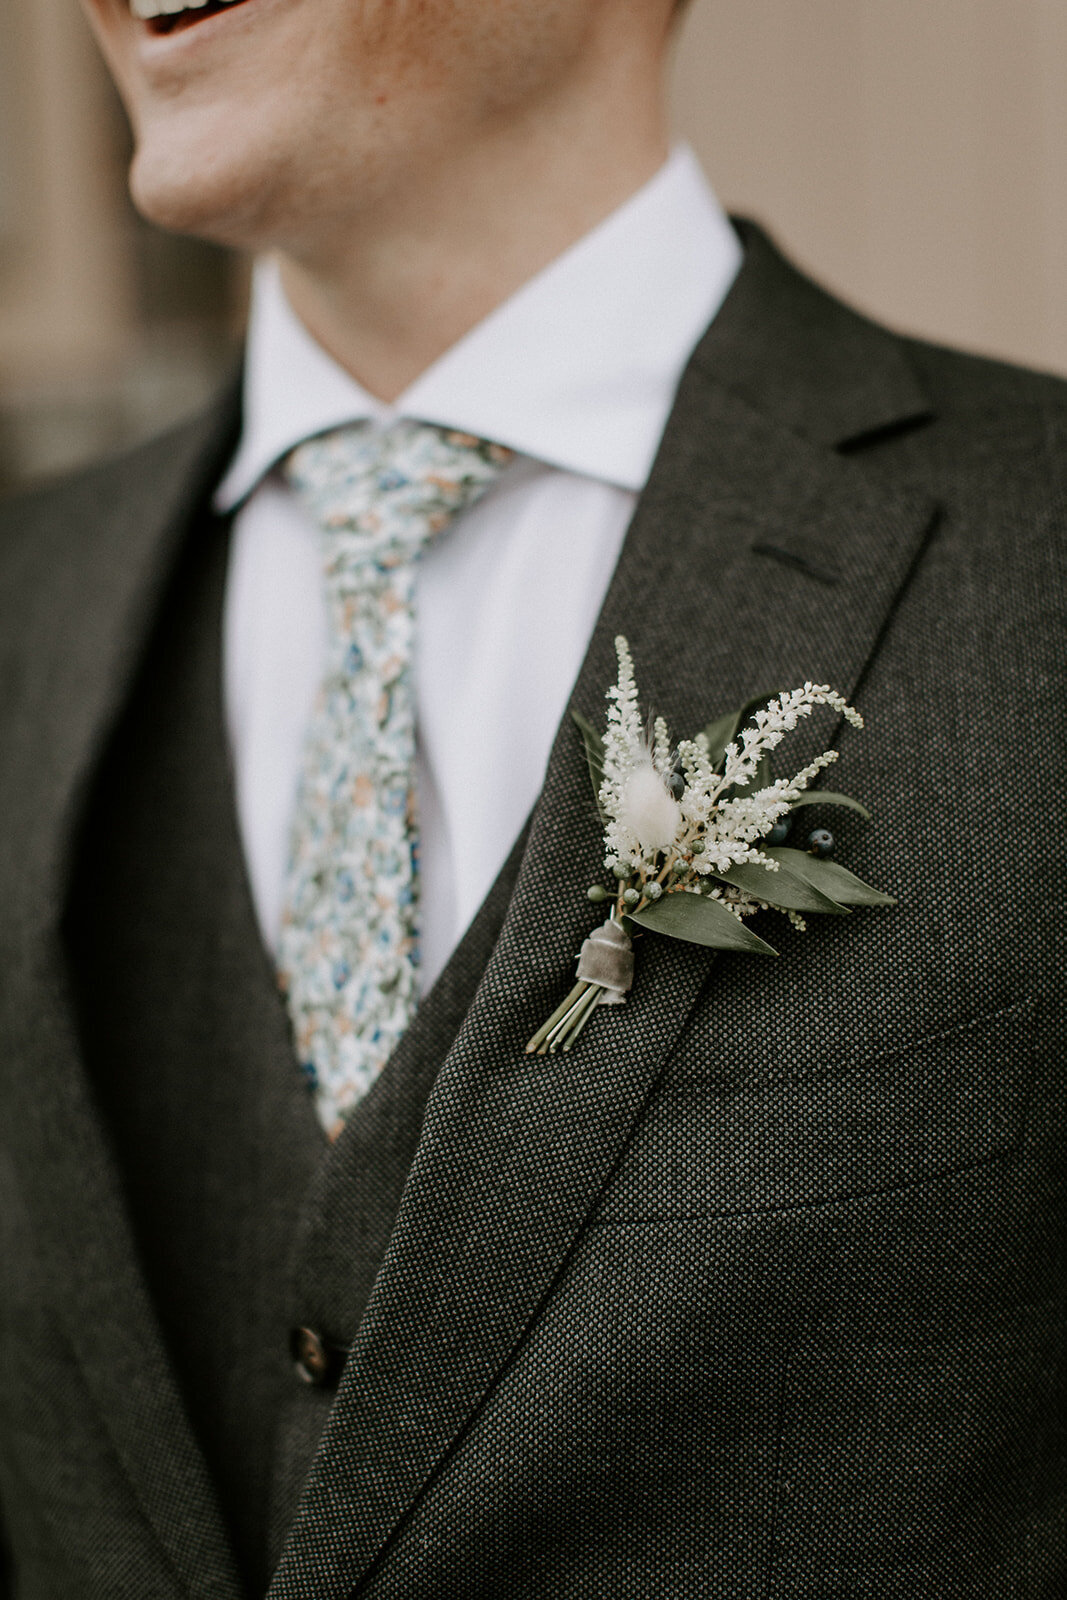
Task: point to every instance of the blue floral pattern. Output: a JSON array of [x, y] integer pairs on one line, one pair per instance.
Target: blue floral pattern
[[348, 945]]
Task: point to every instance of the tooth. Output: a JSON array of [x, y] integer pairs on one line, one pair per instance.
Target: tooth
[[145, 10]]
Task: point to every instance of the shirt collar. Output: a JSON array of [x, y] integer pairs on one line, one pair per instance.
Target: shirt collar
[[578, 368]]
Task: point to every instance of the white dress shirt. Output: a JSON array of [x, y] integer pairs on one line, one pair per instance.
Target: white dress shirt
[[576, 372]]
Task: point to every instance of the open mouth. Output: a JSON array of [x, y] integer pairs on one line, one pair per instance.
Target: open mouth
[[167, 16]]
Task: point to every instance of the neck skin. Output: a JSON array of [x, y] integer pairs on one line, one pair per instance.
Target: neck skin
[[389, 290]]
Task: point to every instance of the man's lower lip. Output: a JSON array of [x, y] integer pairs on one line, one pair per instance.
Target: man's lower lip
[[178, 21]]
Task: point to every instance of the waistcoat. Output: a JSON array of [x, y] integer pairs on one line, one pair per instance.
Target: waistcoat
[[248, 1225]]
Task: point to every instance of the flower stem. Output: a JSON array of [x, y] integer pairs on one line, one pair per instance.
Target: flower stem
[[577, 1027], [534, 1046], [560, 1034]]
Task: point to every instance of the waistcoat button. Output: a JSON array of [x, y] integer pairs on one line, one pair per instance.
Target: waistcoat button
[[313, 1357]]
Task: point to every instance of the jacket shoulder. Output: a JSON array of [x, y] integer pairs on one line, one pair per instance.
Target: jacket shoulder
[[962, 383], [997, 443]]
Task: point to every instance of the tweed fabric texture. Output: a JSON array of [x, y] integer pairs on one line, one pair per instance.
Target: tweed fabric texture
[[160, 930], [187, 1046], [585, 1364], [348, 945], [350, 1210], [103, 1489], [760, 1293]]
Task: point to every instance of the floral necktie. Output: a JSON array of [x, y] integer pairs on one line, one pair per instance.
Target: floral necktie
[[348, 946]]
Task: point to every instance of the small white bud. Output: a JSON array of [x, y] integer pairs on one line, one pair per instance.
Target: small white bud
[[649, 810]]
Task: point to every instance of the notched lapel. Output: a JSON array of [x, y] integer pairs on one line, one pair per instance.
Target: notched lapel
[[86, 566], [515, 1149]]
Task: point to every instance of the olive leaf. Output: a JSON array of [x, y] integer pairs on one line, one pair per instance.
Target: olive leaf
[[594, 755], [698, 920], [829, 878], [829, 797], [784, 889]]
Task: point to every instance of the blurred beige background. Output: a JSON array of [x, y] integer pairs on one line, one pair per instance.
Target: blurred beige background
[[911, 153]]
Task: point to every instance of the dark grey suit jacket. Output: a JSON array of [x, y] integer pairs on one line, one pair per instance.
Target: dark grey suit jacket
[[760, 1293]]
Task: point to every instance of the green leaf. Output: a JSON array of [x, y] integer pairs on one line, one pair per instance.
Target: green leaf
[[594, 755], [723, 730], [784, 889], [829, 877], [827, 797], [699, 920]]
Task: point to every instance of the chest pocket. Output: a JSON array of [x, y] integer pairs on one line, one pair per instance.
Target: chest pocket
[[850, 1127]]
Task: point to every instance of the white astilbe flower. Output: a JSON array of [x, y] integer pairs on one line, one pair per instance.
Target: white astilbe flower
[[769, 727], [700, 778], [645, 817], [676, 827], [678, 844], [736, 900], [624, 737], [661, 749], [737, 823], [792, 788]]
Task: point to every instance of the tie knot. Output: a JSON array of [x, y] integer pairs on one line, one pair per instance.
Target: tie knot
[[387, 493]]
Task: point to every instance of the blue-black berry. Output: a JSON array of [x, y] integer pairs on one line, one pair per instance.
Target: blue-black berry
[[821, 842], [781, 831]]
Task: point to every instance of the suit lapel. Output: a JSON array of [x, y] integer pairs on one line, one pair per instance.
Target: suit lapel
[[97, 562], [760, 556]]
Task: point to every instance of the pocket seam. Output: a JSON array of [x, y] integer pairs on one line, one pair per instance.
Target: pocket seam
[[1006, 1155], [1007, 1158], [845, 1066]]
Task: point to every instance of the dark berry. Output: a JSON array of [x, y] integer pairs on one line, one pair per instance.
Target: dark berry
[[821, 842], [781, 831], [676, 783]]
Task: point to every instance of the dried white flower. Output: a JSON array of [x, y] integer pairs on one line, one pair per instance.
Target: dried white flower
[[675, 825], [647, 810], [679, 842]]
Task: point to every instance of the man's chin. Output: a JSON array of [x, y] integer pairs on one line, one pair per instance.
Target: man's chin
[[210, 198]]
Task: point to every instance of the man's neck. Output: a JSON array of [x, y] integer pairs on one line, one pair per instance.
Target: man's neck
[[392, 291]]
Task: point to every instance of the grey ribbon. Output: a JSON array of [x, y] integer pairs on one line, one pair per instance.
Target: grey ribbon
[[607, 959]]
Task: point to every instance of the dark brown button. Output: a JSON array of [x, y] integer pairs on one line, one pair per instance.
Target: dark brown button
[[313, 1357]]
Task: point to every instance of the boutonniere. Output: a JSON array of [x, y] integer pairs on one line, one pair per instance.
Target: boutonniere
[[695, 839]]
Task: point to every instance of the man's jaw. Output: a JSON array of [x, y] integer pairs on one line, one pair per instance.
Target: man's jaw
[[163, 16]]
